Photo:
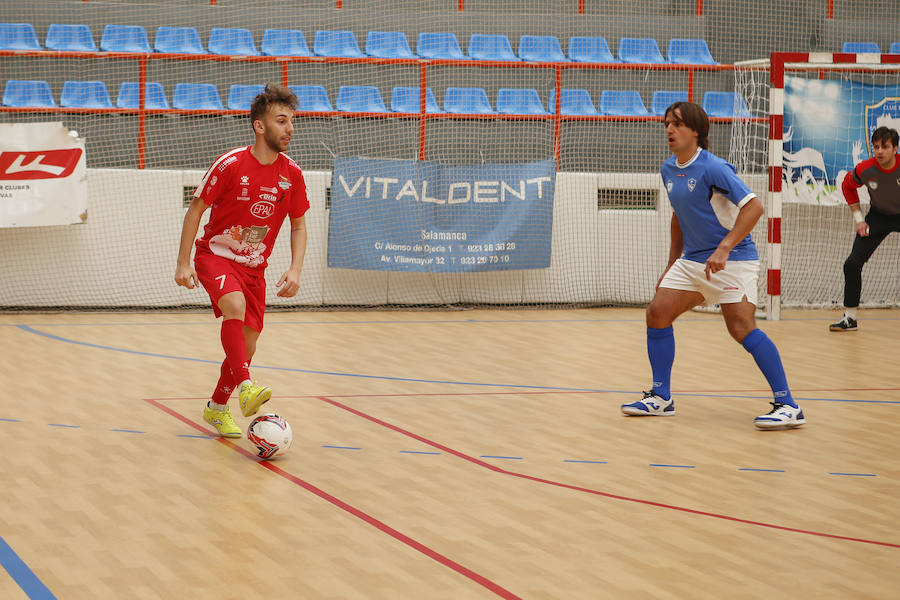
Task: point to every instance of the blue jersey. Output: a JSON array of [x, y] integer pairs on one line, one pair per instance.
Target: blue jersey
[[706, 195]]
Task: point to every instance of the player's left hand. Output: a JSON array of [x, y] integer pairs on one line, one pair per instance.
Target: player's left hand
[[289, 284], [716, 262]]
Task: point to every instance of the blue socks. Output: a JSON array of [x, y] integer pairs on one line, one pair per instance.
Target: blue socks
[[767, 358], [661, 350]]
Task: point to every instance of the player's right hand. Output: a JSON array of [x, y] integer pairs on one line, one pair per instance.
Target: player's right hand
[[186, 276], [862, 229]]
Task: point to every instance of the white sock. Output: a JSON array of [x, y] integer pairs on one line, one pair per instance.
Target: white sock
[[216, 405], [246, 381], [850, 312]]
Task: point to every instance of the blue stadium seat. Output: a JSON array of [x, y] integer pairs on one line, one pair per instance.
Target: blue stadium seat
[[360, 98], [178, 40], [895, 48], [483, 46], [231, 41], [541, 48], [622, 103], [439, 45], [388, 44], [725, 104], [470, 100], [18, 36], [336, 43], [573, 102], [70, 37], [857, 47], [196, 96], [284, 42], [689, 52], [27, 93], [85, 94], [406, 100], [663, 99], [590, 49], [519, 102], [639, 50], [312, 98], [240, 97], [125, 38], [154, 95]]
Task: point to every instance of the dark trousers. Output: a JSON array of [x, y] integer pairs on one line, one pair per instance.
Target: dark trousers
[[880, 225]]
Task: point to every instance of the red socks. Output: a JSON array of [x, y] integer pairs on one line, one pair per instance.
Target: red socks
[[235, 352]]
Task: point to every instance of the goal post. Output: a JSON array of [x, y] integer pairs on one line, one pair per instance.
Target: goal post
[[822, 109]]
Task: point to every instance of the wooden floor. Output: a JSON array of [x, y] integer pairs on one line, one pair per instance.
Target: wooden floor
[[447, 455]]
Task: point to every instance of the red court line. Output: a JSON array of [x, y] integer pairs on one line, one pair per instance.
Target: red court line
[[497, 469], [432, 554]]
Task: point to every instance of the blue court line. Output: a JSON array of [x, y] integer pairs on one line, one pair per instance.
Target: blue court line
[[855, 474], [128, 430], [63, 425], [503, 457], [761, 470], [416, 452], [22, 575], [12, 420], [342, 447], [29, 329], [596, 462], [202, 437], [673, 466]]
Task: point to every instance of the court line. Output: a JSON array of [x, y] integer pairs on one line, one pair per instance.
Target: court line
[[29, 329], [496, 469], [367, 518], [33, 587]]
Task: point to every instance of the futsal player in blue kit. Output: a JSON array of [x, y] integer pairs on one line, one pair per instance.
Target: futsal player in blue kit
[[712, 259]]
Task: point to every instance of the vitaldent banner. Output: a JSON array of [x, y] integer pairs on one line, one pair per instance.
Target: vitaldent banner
[[828, 126], [406, 215], [42, 175]]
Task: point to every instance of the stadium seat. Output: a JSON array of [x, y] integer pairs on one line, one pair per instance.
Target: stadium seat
[[639, 50], [519, 102], [231, 41], [483, 46], [336, 43], [439, 45], [196, 96], [470, 100], [124, 38], [663, 99], [178, 40], [312, 98], [70, 37], [572, 102], [388, 44], [284, 42], [154, 96], [895, 48], [85, 94], [590, 49], [27, 93], [360, 98], [622, 103], [858, 47], [240, 97], [406, 100], [541, 48], [18, 36], [689, 52], [725, 104]]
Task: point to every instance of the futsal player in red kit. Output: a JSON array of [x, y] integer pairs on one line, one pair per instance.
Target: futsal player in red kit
[[250, 191]]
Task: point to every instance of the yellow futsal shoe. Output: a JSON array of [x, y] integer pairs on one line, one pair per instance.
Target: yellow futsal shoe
[[253, 396], [222, 421]]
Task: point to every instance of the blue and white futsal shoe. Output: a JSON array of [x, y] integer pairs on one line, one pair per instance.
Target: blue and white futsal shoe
[[782, 416], [650, 405]]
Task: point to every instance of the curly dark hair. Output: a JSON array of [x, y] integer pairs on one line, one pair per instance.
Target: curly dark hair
[[273, 94]]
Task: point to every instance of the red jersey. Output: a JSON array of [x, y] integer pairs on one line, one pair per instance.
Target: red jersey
[[249, 203], [884, 186]]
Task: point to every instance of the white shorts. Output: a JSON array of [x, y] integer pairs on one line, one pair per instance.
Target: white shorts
[[730, 285]]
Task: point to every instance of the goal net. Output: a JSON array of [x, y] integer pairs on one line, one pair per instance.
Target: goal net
[[823, 109]]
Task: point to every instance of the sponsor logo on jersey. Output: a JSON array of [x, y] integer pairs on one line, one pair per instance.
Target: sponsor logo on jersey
[[245, 180], [44, 164], [271, 190], [262, 209], [873, 184], [244, 197], [285, 184]]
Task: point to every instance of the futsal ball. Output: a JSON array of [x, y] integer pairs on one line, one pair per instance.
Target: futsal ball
[[271, 434]]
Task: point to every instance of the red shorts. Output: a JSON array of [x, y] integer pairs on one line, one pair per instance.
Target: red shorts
[[221, 276]]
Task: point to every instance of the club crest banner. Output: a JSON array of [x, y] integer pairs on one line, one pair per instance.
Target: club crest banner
[[406, 215]]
